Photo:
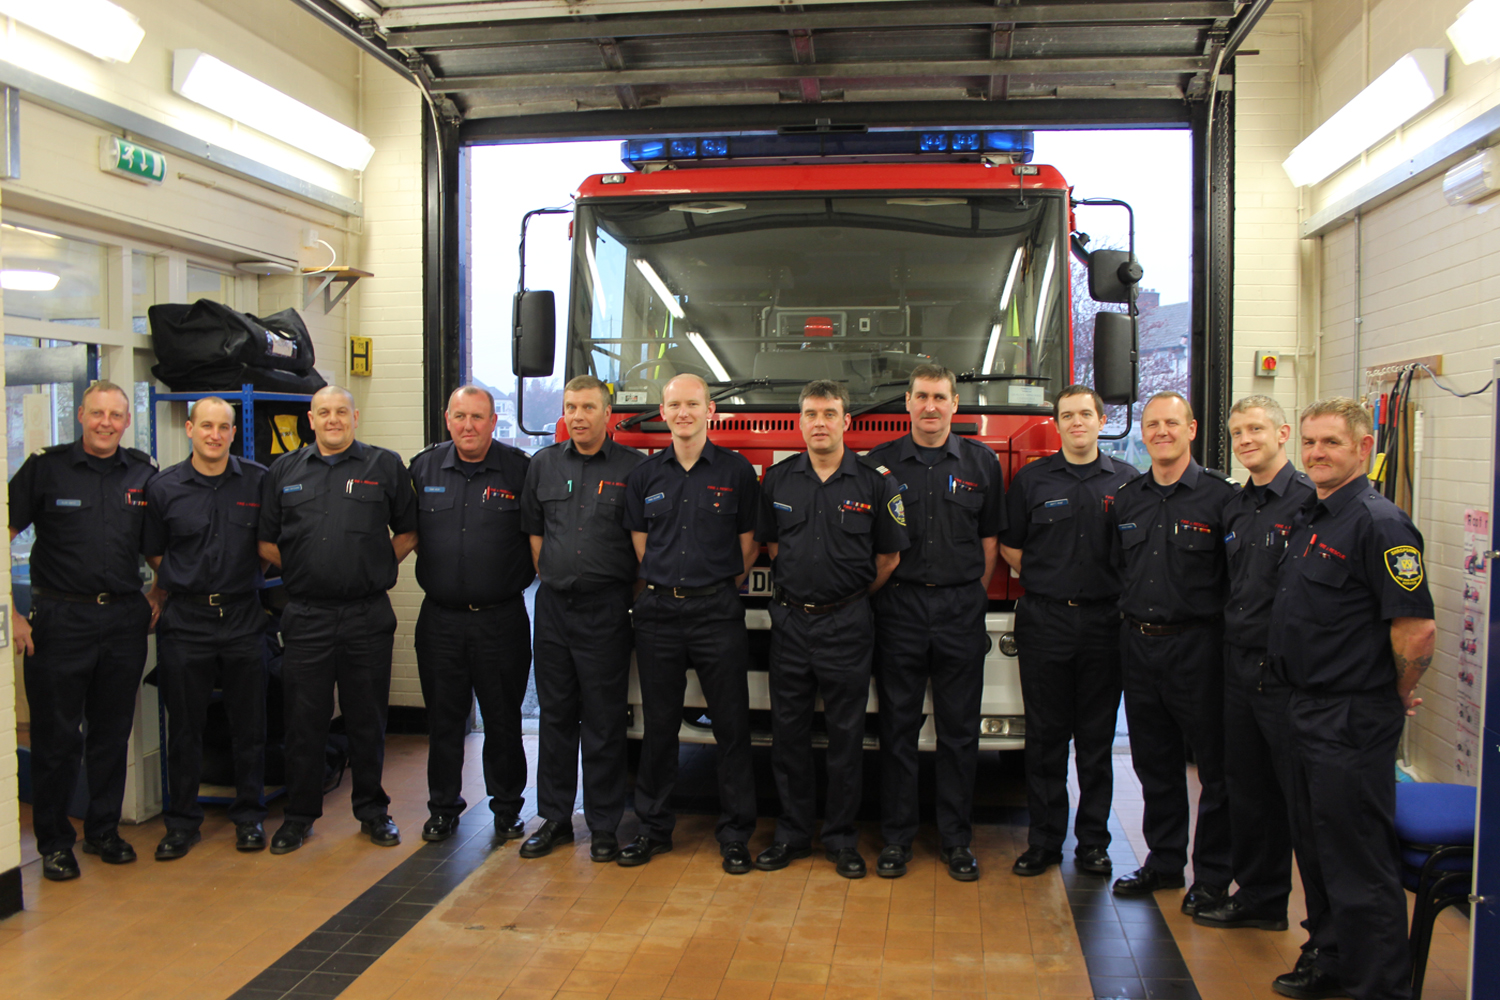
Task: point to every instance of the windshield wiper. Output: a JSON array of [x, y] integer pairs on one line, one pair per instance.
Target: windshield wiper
[[718, 391], [964, 377]]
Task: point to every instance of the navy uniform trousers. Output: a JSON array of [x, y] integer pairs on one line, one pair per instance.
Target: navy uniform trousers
[[1174, 690], [811, 655], [583, 645], [198, 648], [86, 669], [706, 634], [464, 656], [929, 633], [1070, 680], [1258, 764], [1344, 796], [348, 644]]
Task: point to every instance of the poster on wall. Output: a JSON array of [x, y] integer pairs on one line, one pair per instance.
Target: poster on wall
[[1471, 641]]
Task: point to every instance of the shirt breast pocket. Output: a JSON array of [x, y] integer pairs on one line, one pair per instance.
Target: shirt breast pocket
[[434, 502], [611, 501], [718, 504], [244, 516], [186, 531], [1131, 535], [1050, 513], [366, 507], [56, 503], [788, 520], [967, 502], [856, 522], [1193, 539], [1232, 545], [1327, 572]]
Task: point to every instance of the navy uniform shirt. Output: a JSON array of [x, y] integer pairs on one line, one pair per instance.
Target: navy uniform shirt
[[204, 527], [829, 531], [1172, 547], [576, 504], [692, 519], [471, 549], [950, 506], [1057, 514], [1257, 523], [89, 515], [333, 523], [1353, 563]]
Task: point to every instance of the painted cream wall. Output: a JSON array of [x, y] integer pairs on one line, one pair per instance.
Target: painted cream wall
[[10, 811], [390, 313], [1430, 274]]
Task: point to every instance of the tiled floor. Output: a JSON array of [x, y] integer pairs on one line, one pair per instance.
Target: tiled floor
[[564, 928]]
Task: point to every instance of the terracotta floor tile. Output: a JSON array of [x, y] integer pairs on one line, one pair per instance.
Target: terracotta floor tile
[[744, 989], [692, 987], [797, 991]]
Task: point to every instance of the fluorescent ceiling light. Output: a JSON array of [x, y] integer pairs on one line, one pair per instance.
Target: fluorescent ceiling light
[[1010, 279], [988, 367], [1476, 33], [1475, 179], [1043, 307], [220, 87], [28, 281], [660, 287], [712, 359], [98, 27], [1396, 96]]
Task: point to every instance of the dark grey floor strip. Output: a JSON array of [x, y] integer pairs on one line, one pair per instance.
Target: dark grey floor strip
[[328, 960], [1127, 944]]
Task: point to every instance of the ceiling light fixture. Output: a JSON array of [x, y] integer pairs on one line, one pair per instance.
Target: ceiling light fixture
[[28, 281], [1476, 33], [659, 287], [709, 357], [1397, 95], [98, 27], [1475, 179], [220, 87]]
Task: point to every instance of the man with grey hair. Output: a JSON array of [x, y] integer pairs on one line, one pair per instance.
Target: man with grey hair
[[1351, 635], [835, 529], [327, 516], [472, 634], [1257, 763]]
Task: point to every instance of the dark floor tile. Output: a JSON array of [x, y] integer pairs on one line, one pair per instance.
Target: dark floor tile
[[323, 941], [1111, 966], [408, 910], [277, 979], [403, 876], [302, 959], [388, 926], [1097, 894], [1100, 930], [422, 862], [423, 894], [1135, 911], [365, 908], [368, 944], [345, 962], [1106, 947], [1171, 989], [323, 984], [446, 881], [1111, 988], [347, 923], [1147, 930], [1094, 912], [246, 993], [381, 893], [1162, 966]]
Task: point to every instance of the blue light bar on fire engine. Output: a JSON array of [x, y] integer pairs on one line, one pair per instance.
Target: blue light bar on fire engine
[[879, 146]]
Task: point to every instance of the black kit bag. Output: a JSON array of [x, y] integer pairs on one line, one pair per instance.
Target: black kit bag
[[207, 345]]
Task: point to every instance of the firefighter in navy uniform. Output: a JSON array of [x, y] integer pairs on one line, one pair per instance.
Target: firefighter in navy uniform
[[1351, 634], [929, 620], [835, 529], [691, 511], [1171, 536], [473, 639], [327, 515], [201, 519], [1257, 742], [573, 507], [85, 642], [1058, 537]]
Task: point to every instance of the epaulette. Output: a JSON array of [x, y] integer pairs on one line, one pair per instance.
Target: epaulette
[[142, 456], [875, 464], [52, 449], [1216, 473], [435, 444], [1380, 506]]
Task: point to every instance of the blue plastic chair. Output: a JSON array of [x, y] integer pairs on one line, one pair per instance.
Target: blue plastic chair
[[1435, 824]]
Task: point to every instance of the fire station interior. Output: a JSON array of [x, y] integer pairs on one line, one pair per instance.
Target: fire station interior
[[1342, 244]]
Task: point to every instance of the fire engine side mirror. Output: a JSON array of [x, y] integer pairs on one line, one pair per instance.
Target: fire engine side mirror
[[1113, 275], [534, 334], [1115, 372]]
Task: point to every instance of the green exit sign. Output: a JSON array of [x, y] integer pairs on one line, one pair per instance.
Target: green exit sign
[[131, 160]]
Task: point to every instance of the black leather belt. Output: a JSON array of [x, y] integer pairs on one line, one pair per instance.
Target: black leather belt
[[1090, 603], [688, 591], [474, 607], [211, 600], [1147, 628], [781, 597], [57, 595]]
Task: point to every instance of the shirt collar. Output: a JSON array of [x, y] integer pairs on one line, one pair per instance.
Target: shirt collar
[[706, 455], [355, 451], [77, 455], [193, 473], [490, 460], [1345, 495], [907, 449], [1283, 479], [606, 450]]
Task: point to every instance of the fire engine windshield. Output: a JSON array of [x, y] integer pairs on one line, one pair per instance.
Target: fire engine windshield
[[786, 289]]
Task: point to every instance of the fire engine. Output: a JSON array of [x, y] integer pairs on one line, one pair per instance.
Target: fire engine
[[761, 262]]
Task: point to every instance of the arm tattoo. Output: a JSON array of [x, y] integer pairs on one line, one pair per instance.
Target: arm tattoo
[[1417, 663]]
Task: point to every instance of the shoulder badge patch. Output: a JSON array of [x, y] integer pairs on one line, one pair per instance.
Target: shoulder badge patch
[[897, 509], [1404, 563]]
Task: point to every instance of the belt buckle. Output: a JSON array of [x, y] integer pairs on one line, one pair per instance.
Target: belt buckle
[[214, 600], [472, 607], [677, 595], [102, 598], [1074, 604]]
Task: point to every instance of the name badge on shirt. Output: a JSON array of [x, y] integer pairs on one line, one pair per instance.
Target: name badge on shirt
[[782, 506], [295, 488], [70, 503], [655, 497], [1055, 503], [1229, 538], [1127, 527], [434, 489]]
